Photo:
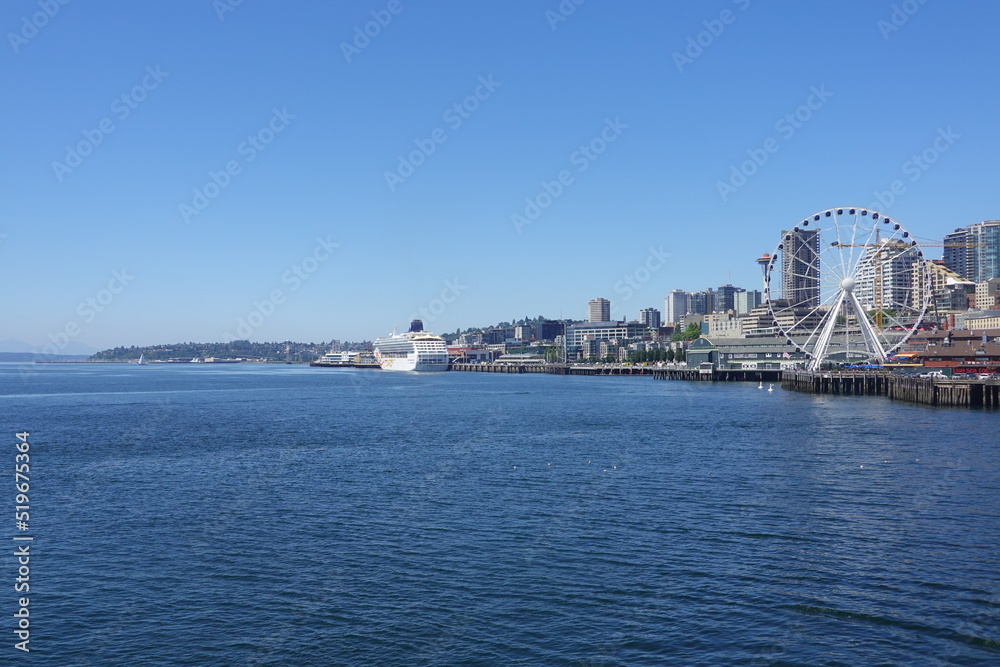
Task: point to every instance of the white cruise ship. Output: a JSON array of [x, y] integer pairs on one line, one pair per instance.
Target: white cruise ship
[[415, 350]]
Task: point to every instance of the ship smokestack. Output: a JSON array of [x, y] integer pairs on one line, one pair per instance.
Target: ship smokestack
[[416, 326]]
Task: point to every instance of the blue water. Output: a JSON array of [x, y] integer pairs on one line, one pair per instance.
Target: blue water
[[286, 515]]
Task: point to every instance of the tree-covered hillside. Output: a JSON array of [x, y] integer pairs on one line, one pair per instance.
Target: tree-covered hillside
[[237, 349]]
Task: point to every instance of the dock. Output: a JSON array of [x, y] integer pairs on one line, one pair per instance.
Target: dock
[[553, 369], [656, 372], [945, 392]]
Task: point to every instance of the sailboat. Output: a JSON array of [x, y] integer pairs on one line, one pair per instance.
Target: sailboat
[[142, 360]]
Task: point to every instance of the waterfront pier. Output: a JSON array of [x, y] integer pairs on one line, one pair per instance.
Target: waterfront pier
[[656, 372], [955, 392], [554, 369]]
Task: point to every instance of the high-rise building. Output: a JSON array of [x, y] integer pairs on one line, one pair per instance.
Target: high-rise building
[[700, 303], [985, 250], [551, 329], [800, 267], [974, 251], [650, 317], [675, 306], [598, 310], [747, 300], [885, 276], [956, 252], [724, 298]]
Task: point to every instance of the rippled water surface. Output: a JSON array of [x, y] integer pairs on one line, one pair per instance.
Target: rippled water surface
[[273, 515]]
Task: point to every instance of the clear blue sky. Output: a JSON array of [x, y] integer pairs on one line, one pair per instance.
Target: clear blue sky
[[196, 86]]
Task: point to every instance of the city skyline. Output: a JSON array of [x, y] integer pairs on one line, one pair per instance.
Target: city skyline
[[174, 175]]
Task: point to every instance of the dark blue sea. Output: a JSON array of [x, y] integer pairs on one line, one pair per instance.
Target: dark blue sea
[[286, 515]]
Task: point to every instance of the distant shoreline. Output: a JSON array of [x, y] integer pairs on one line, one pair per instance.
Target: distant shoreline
[[164, 363]]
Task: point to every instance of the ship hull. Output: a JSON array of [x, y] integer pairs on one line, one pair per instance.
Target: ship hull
[[410, 363]]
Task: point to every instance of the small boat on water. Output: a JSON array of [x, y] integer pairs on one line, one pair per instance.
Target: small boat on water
[[334, 359]]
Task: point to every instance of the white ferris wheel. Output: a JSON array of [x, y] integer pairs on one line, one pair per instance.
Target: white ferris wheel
[[847, 286]]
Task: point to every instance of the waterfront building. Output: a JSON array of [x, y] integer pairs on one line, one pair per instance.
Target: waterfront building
[[743, 354], [747, 300], [962, 356], [945, 337], [800, 267], [522, 358], [465, 354], [675, 306], [598, 310], [650, 317]]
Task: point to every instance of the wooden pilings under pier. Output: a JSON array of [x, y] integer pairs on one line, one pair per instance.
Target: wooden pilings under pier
[[957, 392], [717, 375]]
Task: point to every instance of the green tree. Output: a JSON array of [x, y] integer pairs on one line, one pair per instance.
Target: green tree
[[691, 332]]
